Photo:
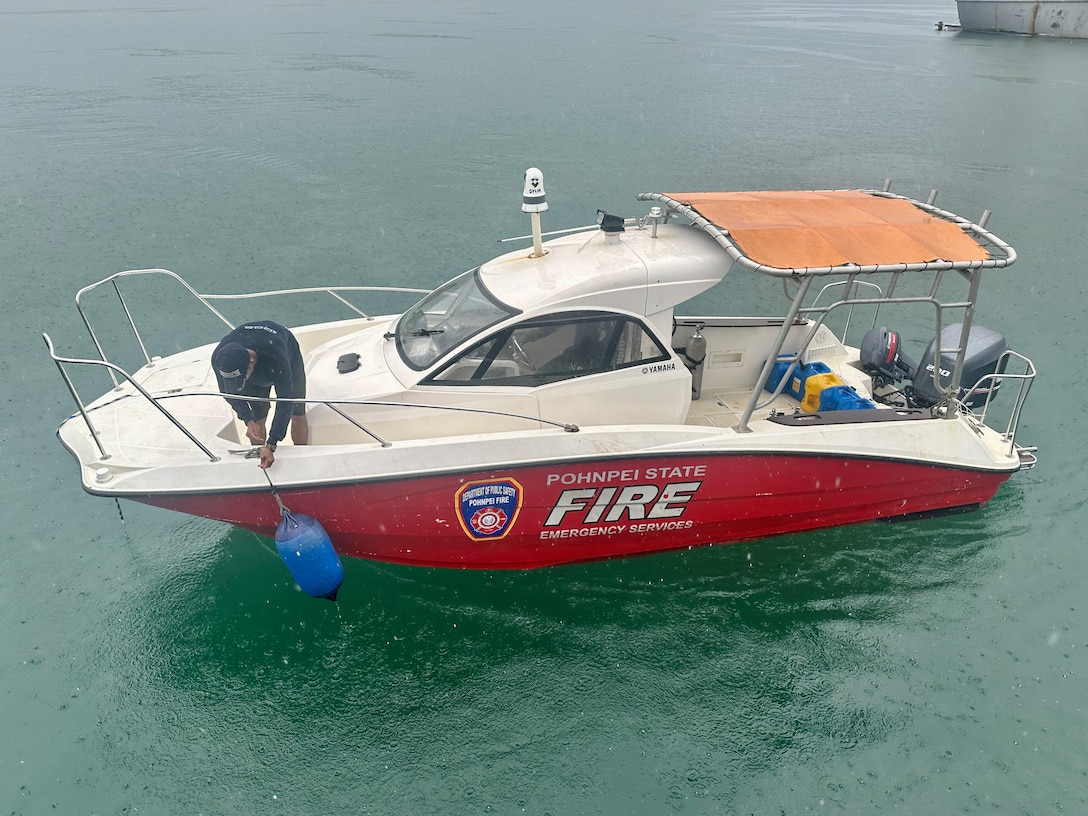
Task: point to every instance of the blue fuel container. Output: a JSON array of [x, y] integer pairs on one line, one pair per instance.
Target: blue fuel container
[[843, 398], [795, 387], [778, 371], [309, 555]]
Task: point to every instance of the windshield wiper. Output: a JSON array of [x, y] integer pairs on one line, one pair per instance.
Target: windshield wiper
[[416, 333]]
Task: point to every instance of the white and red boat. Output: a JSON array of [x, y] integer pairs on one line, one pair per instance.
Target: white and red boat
[[551, 406]]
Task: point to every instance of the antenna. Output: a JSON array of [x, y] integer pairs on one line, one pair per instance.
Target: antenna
[[534, 201]]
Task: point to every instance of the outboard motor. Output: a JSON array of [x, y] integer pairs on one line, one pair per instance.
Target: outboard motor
[[984, 349], [883, 360]]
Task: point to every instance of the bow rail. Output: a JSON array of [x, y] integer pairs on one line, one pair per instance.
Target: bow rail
[[208, 301]]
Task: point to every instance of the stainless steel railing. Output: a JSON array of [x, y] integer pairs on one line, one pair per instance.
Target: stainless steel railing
[[114, 370], [1025, 376], [85, 412], [207, 301]]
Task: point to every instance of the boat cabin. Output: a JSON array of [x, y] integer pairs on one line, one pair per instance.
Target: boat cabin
[[574, 338]]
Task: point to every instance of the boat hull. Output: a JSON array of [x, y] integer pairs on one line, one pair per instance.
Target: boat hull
[[535, 516], [1058, 18]]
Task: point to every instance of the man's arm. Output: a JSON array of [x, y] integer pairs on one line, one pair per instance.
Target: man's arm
[[239, 406], [284, 384]]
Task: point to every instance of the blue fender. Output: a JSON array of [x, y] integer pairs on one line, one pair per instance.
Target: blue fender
[[309, 555]]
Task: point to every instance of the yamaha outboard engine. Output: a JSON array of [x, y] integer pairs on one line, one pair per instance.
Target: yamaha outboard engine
[[984, 349], [883, 360]]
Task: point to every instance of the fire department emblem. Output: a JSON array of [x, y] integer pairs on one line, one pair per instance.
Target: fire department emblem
[[487, 510]]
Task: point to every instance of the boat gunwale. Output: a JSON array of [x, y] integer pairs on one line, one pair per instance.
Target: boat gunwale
[[286, 486]]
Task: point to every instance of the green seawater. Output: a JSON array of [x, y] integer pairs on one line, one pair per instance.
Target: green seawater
[[167, 665]]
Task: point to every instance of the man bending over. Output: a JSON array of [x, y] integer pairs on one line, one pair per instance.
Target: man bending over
[[251, 361]]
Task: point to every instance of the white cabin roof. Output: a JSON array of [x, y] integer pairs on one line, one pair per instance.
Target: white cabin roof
[[634, 272]]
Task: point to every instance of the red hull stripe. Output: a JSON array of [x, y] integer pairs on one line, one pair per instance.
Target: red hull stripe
[[561, 513]]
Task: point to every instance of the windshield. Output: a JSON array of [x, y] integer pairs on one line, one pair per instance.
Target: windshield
[[445, 318]]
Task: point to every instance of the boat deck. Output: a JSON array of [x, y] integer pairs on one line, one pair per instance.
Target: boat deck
[[723, 409]]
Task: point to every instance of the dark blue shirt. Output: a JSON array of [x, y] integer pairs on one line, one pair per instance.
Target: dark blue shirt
[[279, 366]]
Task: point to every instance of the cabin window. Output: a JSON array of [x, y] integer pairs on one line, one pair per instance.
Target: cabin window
[[446, 318], [554, 348]]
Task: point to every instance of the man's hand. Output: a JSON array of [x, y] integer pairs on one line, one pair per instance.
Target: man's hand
[[267, 457], [255, 432]]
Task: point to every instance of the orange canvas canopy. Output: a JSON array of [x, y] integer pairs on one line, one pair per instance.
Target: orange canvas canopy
[[797, 229]]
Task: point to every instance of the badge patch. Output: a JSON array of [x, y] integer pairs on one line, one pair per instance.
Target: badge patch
[[488, 510]]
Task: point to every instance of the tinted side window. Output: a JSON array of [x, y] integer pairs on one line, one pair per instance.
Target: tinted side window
[[547, 350]]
